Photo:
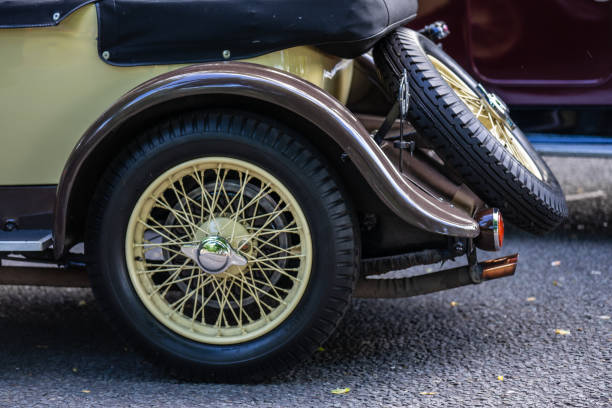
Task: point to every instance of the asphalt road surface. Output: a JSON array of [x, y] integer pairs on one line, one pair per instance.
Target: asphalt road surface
[[444, 349]]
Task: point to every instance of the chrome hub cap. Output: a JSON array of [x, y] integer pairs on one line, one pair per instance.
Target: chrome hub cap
[[495, 105], [214, 255]]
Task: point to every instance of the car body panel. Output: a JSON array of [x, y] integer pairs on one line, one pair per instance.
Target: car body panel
[[54, 86], [532, 53]]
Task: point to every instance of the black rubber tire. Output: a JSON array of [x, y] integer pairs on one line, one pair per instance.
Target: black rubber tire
[[280, 151], [463, 142]]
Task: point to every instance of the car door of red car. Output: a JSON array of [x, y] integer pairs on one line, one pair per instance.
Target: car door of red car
[[542, 52]]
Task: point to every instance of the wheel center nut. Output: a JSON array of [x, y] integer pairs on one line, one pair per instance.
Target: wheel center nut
[[214, 255]]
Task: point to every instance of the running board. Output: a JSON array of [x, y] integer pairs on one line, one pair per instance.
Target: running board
[[25, 240], [69, 277]]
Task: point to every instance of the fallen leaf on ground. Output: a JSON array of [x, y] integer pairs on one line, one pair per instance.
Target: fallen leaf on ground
[[340, 390], [562, 332], [320, 349], [86, 391], [74, 369], [428, 393], [604, 317], [500, 377], [555, 283], [82, 303], [530, 299], [555, 263], [453, 303]]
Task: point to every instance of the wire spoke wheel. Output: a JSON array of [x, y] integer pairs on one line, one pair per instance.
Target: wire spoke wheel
[[218, 250], [497, 125], [221, 245], [471, 130]]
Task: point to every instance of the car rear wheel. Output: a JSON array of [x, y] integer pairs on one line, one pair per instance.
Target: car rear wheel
[[470, 129], [221, 245]]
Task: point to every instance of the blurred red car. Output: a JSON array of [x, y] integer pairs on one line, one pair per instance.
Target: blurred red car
[[551, 60]]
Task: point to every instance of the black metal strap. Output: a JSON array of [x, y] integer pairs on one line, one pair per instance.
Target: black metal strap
[[386, 125], [398, 110]]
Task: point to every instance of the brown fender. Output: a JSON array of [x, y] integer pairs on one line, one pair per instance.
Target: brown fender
[[402, 196]]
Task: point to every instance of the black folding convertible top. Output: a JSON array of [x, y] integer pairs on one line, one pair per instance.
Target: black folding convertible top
[[140, 32]]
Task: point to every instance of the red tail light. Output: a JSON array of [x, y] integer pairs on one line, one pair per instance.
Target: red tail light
[[500, 230]]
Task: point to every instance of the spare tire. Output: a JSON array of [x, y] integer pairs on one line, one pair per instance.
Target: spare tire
[[470, 129]]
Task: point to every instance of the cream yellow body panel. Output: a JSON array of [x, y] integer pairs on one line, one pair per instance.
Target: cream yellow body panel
[[53, 86]]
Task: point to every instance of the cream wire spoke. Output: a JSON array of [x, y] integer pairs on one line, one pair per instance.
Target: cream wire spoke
[[165, 263], [195, 303], [277, 269], [227, 199], [270, 213], [188, 295], [170, 268], [275, 232], [293, 250], [254, 260], [148, 244], [228, 292], [280, 258], [221, 317], [271, 217], [289, 250], [201, 216], [169, 281], [188, 199], [205, 195], [266, 231], [241, 311], [267, 256], [255, 200], [179, 197], [178, 214], [171, 236], [243, 184], [211, 280], [174, 251], [236, 196], [163, 246], [196, 176], [269, 283], [253, 285], [184, 279], [203, 296], [217, 190], [254, 296]]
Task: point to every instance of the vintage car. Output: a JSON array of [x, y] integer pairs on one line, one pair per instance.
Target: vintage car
[[230, 173], [550, 60]]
